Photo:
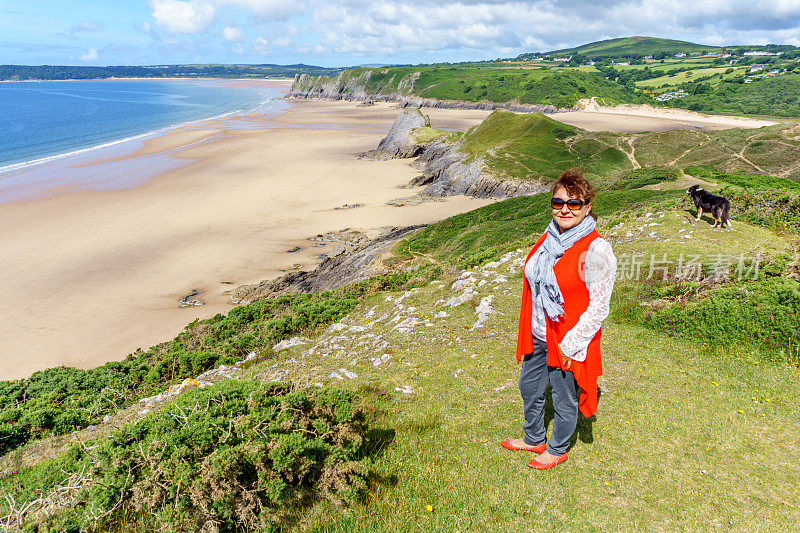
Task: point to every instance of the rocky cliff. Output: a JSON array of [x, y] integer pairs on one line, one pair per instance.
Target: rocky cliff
[[401, 140], [446, 171], [444, 168], [349, 85], [356, 258]]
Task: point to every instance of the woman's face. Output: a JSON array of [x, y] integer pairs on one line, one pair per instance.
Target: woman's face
[[564, 217]]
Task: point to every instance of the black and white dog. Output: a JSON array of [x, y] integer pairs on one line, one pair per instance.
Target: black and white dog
[[710, 203]]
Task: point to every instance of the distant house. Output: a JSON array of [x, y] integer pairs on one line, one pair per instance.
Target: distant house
[[648, 57], [591, 62], [756, 67], [712, 54], [695, 53], [562, 58], [622, 63], [680, 54], [758, 53]]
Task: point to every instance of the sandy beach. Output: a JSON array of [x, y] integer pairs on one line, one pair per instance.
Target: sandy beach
[[91, 275], [633, 118]]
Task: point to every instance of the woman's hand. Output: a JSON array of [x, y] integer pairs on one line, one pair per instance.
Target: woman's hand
[[566, 362]]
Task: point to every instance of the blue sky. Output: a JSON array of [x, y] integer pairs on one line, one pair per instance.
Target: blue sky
[[351, 32]]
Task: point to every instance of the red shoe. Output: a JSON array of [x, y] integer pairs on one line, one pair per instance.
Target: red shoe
[[539, 448], [543, 466]]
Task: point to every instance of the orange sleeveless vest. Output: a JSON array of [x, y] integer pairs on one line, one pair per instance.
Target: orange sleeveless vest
[[568, 270]]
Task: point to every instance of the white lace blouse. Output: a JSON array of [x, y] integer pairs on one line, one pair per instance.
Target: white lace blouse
[[601, 271]]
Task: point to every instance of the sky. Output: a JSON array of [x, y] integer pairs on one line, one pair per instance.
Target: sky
[[340, 33]]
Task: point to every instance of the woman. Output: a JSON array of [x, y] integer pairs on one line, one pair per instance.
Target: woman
[[569, 276]]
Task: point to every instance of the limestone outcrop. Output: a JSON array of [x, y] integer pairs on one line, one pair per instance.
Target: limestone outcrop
[[355, 259], [447, 172], [401, 141]]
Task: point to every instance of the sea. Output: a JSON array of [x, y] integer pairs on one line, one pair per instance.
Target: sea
[[49, 128]]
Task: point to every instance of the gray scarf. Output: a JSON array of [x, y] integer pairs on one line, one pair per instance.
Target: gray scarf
[[555, 244]]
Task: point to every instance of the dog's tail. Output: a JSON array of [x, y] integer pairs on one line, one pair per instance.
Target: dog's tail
[[725, 211]]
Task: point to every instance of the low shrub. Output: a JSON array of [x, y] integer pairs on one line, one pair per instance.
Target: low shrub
[[239, 455], [63, 399]]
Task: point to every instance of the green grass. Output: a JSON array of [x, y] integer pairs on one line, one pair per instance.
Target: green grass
[[642, 177], [668, 432], [681, 77], [470, 239], [534, 146], [560, 88]]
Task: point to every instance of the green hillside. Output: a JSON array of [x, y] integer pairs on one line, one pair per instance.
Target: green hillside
[[534, 146], [559, 88], [637, 45]]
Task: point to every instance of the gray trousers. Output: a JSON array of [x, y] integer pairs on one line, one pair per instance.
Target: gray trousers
[[533, 380]]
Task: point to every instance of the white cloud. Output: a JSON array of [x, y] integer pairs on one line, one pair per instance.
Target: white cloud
[[90, 55], [425, 30], [232, 34], [178, 16]]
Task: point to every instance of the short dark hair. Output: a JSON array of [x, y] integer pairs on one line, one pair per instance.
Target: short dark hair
[[574, 181]]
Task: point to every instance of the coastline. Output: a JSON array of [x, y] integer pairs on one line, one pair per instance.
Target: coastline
[[6, 168], [93, 275]]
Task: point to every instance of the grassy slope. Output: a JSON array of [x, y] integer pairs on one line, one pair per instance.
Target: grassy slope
[[543, 82], [669, 448], [772, 96], [535, 146], [636, 45], [492, 84]]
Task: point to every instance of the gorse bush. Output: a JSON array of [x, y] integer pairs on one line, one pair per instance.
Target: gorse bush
[[236, 456], [60, 400], [761, 313]]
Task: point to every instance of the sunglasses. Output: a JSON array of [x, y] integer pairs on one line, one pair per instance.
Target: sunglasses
[[573, 204]]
